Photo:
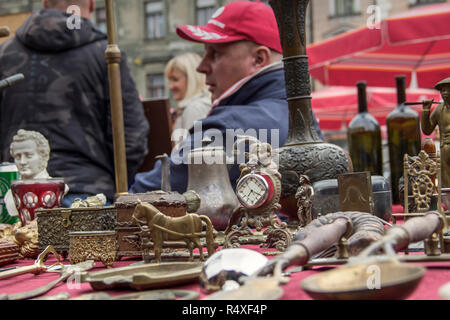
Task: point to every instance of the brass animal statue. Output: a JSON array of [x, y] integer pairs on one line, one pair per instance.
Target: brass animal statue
[[188, 228]]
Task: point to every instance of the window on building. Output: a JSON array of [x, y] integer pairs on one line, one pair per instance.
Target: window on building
[[154, 20], [205, 9], [342, 8], [100, 19], [413, 3], [155, 85]]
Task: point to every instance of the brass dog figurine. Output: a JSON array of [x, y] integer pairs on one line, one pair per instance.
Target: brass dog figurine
[[164, 228]]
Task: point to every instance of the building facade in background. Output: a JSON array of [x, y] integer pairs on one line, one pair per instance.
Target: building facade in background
[[146, 28]]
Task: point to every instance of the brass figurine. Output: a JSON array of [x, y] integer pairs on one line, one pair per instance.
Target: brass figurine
[[146, 245], [440, 117], [304, 196], [164, 228]]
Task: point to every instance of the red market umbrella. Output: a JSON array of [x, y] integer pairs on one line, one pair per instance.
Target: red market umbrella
[[335, 107], [415, 44]]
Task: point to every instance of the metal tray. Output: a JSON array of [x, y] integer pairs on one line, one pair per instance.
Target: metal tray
[[142, 277]]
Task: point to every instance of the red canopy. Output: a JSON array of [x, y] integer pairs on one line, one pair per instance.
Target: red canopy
[[335, 107], [416, 44]]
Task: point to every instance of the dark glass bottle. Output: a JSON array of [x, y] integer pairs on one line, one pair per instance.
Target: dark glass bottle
[[403, 127], [364, 138]]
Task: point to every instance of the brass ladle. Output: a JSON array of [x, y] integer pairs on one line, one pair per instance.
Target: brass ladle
[[369, 276]]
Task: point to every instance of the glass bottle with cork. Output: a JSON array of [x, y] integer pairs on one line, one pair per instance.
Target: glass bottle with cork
[[364, 137], [403, 128]]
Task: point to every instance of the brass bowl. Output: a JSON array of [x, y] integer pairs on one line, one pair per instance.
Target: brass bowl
[[353, 282]]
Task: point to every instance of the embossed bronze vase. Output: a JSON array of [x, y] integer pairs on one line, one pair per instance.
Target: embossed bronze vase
[[304, 151]]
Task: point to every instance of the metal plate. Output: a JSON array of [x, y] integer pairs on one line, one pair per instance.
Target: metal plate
[[148, 276]]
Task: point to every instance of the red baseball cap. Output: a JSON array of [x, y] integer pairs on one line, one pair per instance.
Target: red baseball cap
[[238, 20]]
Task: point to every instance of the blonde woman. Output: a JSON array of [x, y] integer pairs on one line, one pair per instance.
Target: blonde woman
[[188, 89]]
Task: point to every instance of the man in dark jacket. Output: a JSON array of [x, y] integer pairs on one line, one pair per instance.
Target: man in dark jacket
[[243, 68], [65, 96]]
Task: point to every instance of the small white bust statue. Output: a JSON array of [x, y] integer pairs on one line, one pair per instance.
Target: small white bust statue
[[31, 152]]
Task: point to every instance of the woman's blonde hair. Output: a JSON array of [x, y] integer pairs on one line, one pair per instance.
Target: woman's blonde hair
[[187, 63]]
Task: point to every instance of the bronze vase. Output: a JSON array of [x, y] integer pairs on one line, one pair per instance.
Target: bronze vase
[[304, 151]]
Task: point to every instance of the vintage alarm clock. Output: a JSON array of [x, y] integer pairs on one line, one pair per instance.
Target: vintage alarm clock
[[254, 190]]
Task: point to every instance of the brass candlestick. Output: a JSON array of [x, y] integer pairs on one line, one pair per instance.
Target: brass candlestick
[[113, 56], [304, 153]]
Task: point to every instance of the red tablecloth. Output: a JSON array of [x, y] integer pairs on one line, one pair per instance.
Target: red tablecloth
[[437, 274]]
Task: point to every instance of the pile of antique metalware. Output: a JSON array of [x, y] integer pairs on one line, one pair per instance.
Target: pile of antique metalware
[[332, 217]]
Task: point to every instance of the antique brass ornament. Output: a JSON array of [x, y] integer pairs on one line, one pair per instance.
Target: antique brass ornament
[[304, 196], [422, 169], [163, 294], [113, 56], [304, 152], [55, 225], [422, 178], [9, 252], [210, 179], [66, 271], [366, 228], [188, 228], [398, 280], [93, 245], [355, 192], [258, 190], [26, 238], [440, 117], [170, 203], [99, 200], [143, 277], [35, 268], [301, 250]]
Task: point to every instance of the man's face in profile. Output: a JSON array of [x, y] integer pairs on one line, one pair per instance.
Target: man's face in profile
[[224, 64], [445, 93], [27, 159]]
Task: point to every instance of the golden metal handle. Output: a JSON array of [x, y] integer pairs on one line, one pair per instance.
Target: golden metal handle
[[66, 216]]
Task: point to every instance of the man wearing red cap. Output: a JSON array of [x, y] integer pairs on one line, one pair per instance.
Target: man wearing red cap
[[244, 72]]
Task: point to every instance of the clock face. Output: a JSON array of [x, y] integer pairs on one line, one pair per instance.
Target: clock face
[[252, 191]]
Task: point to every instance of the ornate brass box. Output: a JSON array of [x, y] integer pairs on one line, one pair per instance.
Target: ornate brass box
[[54, 225], [93, 245]]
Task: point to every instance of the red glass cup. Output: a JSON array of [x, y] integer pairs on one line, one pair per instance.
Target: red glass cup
[[30, 195]]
